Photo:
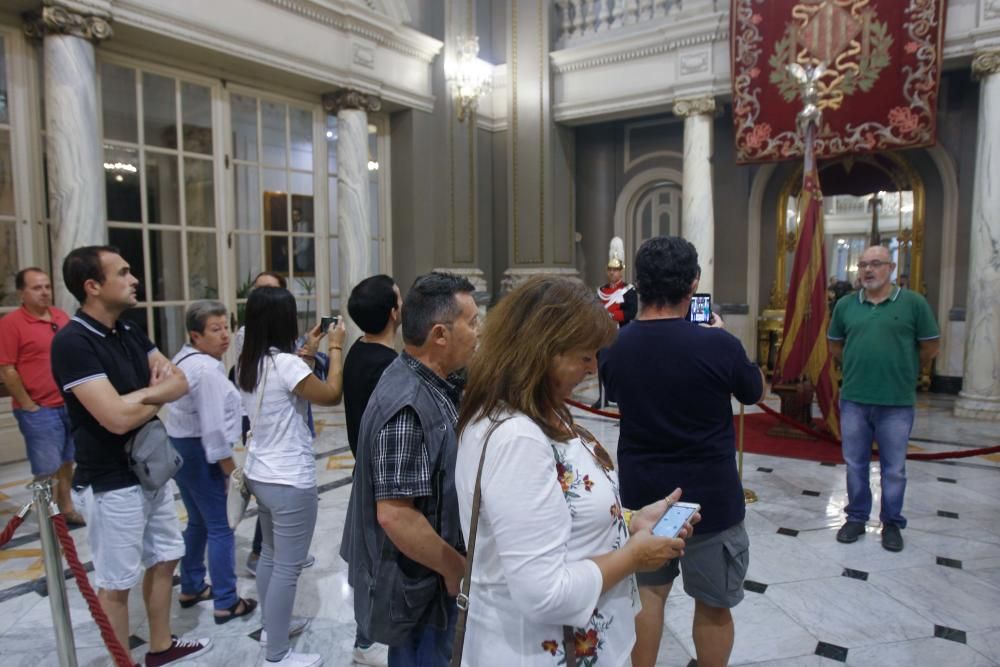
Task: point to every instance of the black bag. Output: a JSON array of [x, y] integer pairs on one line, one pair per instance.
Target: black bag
[[151, 456]]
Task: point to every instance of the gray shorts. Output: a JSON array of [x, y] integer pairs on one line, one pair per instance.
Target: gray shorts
[[713, 567]]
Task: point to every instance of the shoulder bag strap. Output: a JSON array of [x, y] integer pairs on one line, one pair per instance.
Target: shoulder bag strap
[[463, 597], [187, 356]]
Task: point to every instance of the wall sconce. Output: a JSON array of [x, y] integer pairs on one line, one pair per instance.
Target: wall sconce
[[469, 76]]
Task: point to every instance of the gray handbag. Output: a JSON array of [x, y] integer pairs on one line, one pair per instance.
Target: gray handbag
[[151, 456]]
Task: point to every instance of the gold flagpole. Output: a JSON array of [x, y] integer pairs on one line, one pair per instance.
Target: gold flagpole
[[748, 495]]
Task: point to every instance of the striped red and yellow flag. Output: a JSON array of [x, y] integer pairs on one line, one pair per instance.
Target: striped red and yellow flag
[[804, 350]]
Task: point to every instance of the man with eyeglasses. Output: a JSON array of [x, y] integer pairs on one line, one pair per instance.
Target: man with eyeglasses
[[26, 369], [884, 335]]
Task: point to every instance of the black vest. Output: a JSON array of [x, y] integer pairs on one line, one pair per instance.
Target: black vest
[[393, 594]]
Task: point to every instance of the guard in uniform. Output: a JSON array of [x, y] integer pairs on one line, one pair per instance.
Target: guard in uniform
[[618, 297]]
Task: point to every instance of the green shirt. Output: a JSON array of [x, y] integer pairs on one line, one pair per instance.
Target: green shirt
[[882, 345]]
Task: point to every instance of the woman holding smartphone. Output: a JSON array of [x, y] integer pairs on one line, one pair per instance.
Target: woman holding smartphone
[[277, 384], [555, 551]]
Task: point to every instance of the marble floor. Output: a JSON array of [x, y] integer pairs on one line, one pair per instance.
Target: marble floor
[[810, 601]]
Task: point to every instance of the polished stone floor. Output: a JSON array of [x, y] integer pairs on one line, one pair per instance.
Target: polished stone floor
[[809, 601]]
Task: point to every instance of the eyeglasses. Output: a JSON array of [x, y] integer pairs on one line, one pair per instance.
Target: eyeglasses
[[875, 264]]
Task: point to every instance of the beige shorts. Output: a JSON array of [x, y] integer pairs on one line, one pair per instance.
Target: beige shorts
[[713, 567], [131, 529]]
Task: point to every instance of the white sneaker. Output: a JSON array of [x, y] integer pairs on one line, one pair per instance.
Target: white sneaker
[[293, 659], [376, 655], [297, 626]]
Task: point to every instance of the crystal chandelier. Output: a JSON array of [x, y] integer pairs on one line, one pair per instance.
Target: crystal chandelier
[[469, 76]]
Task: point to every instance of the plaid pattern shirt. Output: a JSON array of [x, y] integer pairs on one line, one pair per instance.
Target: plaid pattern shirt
[[401, 467]]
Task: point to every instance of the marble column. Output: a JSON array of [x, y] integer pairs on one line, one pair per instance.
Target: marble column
[[73, 134], [353, 209], [698, 214], [980, 395]]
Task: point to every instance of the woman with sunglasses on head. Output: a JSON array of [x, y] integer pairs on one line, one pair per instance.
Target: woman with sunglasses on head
[[555, 551], [277, 384]]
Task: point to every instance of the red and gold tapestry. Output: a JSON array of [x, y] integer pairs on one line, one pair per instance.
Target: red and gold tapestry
[[879, 90]]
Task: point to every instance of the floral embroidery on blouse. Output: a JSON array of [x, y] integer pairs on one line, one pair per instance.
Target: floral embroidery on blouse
[[586, 641]]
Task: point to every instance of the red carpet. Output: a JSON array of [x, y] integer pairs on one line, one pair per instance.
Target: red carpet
[[757, 441]]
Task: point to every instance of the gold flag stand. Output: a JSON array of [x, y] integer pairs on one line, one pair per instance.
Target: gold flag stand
[[749, 496]]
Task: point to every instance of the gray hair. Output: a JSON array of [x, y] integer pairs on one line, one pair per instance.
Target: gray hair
[[199, 312]]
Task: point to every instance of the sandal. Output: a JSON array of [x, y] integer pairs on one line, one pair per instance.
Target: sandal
[[204, 595], [249, 604]]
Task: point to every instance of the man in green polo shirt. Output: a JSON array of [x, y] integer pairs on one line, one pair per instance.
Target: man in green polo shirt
[[884, 334]]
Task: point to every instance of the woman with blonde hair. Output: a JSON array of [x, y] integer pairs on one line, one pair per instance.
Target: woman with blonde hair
[[554, 551]]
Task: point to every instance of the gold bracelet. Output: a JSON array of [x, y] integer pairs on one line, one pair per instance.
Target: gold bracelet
[[627, 515], [335, 347]]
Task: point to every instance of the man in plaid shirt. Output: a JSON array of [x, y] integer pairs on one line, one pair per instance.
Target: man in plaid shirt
[[402, 536]]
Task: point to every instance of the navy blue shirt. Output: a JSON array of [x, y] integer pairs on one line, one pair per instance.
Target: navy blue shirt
[[672, 380], [86, 350]]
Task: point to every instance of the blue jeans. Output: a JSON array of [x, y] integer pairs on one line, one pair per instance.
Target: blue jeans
[[203, 490], [47, 438], [427, 646], [889, 425]]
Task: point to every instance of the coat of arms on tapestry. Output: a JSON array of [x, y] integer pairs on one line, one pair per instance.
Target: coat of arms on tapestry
[[878, 91]]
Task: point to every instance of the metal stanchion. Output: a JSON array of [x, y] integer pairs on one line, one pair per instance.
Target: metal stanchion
[[749, 496], [54, 580]]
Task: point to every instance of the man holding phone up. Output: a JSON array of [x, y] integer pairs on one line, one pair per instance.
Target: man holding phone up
[[673, 380]]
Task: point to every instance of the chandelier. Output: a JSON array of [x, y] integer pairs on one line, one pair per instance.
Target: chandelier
[[469, 76]]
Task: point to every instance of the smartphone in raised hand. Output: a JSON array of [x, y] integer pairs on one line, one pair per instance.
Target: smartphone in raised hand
[[673, 520], [327, 322], [701, 309]]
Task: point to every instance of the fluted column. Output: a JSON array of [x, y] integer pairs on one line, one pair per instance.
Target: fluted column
[[73, 136], [698, 213], [980, 395], [353, 214]]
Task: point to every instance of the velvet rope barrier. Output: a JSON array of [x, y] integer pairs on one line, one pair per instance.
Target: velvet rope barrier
[[118, 652], [826, 437], [14, 523]]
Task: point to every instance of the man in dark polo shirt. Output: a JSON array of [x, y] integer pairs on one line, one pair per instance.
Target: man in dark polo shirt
[[114, 380], [884, 333], [673, 380]]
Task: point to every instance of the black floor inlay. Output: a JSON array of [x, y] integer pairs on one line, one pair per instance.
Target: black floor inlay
[[855, 574], [814, 494], [761, 469], [828, 464], [135, 642], [255, 635], [948, 515], [754, 586], [832, 651], [949, 562], [947, 480], [791, 532], [950, 634]]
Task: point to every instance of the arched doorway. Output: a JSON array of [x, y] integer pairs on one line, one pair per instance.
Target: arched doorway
[[867, 199], [649, 205]]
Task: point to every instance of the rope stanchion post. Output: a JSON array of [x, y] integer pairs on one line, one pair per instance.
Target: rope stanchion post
[[45, 508], [749, 496]]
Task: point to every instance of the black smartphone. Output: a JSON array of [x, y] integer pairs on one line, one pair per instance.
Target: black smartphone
[[701, 309], [327, 322]]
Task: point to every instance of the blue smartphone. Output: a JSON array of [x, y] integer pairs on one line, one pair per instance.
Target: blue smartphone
[[673, 519]]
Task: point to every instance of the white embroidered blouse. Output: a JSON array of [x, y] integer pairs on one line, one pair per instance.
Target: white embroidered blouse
[[546, 508]]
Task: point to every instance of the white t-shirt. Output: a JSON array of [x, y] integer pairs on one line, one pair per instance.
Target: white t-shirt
[[547, 508], [280, 445]]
